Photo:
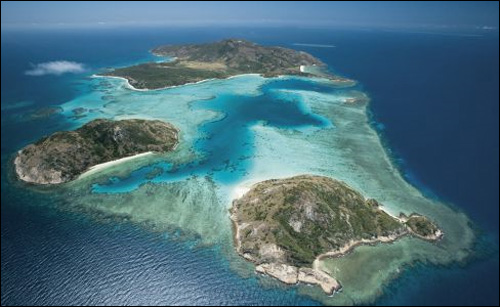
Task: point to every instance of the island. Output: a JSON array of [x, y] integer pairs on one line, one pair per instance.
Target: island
[[218, 60], [65, 155], [285, 226]]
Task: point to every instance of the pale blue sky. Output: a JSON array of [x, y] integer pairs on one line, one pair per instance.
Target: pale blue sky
[[438, 14]]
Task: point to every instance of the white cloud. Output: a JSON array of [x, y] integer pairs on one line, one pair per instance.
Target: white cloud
[[56, 68]]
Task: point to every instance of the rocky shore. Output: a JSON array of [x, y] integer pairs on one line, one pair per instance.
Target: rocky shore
[[287, 226], [65, 155], [291, 275]]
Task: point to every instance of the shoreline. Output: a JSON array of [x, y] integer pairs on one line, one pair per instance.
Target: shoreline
[[131, 87], [101, 166], [333, 79], [93, 169], [314, 275], [285, 273], [23, 177], [349, 247]]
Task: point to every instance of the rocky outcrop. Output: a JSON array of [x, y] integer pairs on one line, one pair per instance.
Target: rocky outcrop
[[316, 277], [285, 273], [421, 227], [292, 275]]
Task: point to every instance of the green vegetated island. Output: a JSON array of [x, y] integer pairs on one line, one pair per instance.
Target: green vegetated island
[[63, 156], [219, 60], [286, 225]]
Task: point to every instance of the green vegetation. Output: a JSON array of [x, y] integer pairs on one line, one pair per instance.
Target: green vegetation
[[63, 156], [218, 60], [306, 216], [421, 226], [159, 75]]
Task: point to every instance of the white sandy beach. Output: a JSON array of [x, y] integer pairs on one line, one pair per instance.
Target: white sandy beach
[[96, 168], [167, 87], [124, 79], [241, 188]]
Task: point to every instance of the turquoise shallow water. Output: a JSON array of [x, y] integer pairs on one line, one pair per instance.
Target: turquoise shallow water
[[227, 142], [155, 230]]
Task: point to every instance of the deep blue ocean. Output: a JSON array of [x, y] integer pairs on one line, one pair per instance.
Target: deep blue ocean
[[434, 102]]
